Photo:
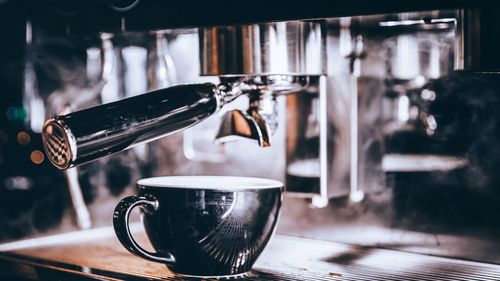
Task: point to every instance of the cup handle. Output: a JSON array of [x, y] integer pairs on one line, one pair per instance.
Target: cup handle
[[121, 224]]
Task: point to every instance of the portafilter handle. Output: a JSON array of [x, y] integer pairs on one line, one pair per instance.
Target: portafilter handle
[[89, 134]]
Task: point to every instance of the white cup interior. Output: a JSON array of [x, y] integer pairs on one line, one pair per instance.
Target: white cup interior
[[210, 182]]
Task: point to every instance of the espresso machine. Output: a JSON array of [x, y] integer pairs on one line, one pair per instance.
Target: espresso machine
[[380, 119]]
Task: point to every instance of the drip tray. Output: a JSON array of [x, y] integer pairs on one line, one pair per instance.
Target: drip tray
[[97, 255]]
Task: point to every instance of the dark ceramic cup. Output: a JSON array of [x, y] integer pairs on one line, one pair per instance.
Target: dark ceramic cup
[[203, 226]]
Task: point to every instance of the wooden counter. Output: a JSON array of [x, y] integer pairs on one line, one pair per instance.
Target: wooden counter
[[97, 255]]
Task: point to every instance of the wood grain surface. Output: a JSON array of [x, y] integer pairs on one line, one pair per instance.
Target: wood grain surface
[[104, 254], [97, 255]]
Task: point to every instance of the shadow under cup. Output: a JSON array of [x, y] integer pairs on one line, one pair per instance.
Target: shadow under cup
[[201, 225]]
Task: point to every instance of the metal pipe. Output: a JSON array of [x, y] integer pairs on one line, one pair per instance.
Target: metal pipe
[[86, 135]]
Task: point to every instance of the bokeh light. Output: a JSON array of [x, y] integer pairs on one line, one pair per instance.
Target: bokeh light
[[37, 157], [23, 138]]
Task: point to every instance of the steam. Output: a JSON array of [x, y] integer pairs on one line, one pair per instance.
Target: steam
[[467, 116]]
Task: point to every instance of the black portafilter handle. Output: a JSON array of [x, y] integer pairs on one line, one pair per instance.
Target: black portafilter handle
[[89, 134]]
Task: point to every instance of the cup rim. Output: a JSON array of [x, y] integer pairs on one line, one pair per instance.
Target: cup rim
[[209, 182]]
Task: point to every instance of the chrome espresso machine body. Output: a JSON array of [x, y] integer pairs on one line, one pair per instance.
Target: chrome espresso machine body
[[380, 119]]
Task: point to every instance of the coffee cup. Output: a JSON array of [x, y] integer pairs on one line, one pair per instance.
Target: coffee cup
[[202, 226]]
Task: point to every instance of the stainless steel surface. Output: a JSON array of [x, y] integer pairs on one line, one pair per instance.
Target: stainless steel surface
[[238, 124], [89, 134], [263, 125], [303, 130], [160, 67], [257, 123], [468, 41], [476, 43], [416, 55], [110, 69], [423, 50], [260, 120], [59, 143], [293, 48]]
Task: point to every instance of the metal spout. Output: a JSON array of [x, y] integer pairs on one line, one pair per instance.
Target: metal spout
[[258, 122], [237, 124]]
